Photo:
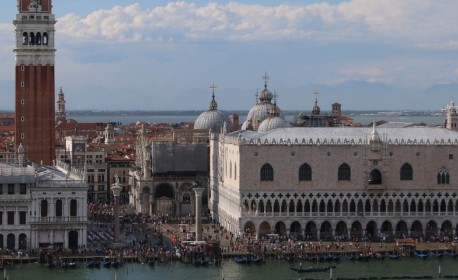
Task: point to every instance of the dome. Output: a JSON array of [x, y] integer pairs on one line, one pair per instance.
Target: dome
[[261, 110], [213, 119], [273, 122]]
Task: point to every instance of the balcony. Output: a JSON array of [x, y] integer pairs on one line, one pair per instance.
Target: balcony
[[53, 220]]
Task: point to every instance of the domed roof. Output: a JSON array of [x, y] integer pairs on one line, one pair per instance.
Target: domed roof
[[261, 110], [273, 121], [213, 119]]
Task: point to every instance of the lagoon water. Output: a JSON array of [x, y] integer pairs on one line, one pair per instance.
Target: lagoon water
[[431, 120], [230, 270]]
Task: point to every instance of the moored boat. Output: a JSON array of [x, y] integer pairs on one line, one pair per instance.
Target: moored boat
[[312, 269]]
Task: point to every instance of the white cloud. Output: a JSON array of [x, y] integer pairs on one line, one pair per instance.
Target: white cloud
[[425, 24]]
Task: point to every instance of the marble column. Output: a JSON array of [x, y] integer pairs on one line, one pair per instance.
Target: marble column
[[198, 192]]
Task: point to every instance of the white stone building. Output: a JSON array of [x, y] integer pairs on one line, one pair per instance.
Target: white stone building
[[320, 183], [42, 207]]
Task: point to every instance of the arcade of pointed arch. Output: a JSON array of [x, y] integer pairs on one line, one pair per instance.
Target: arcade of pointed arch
[[394, 208]]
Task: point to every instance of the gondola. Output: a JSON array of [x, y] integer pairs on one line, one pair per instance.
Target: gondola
[[420, 255], [312, 269], [241, 259], [393, 256]]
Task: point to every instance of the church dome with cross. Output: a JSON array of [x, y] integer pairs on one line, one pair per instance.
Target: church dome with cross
[[213, 119], [262, 109]]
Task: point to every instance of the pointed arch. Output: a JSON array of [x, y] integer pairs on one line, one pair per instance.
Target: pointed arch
[[337, 208], [406, 172], [267, 172], [375, 177], [344, 172], [305, 172]]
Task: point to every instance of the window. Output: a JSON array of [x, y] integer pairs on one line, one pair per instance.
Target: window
[[267, 173], [10, 188], [1, 218], [305, 172], [375, 177], [443, 177], [22, 217], [450, 156], [22, 101], [406, 172], [25, 38], [22, 119], [22, 136], [44, 208], [1, 188], [344, 172], [22, 84], [73, 208], [10, 217], [59, 208], [45, 38], [22, 189]]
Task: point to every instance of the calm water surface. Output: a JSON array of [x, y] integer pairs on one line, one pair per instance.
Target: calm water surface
[[363, 119], [231, 270]]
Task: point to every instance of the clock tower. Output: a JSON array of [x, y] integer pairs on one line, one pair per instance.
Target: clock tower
[[34, 103]]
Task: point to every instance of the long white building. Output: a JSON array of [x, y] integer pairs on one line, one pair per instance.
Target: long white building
[[325, 182]]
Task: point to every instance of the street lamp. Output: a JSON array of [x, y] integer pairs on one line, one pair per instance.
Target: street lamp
[[116, 189], [198, 190]]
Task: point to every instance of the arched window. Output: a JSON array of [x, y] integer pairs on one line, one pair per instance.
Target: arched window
[[73, 208], [375, 178], [32, 39], [344, 172], [45, 38], [267, 172], [305, 172], [25, 38], [443, 177], [10, 241], [44, 208], [38, 39], [59, 208], [406, 172]]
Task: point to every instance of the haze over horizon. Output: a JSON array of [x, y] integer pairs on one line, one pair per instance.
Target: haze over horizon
[[161, 55]]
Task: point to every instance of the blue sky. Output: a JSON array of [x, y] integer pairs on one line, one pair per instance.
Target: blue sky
[[163, 55]]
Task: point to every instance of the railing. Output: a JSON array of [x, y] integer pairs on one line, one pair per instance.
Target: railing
[[349, 214], [57, 219]]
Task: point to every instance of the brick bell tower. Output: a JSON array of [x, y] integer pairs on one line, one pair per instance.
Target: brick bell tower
[[34, 102]]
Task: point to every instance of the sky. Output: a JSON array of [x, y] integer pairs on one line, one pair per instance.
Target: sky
[[164, 55]]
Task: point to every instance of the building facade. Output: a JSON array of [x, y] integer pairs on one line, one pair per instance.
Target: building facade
[[323, 183], [42, 207], [34, 86]]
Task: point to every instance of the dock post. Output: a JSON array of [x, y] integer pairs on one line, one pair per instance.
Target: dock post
[[440, 273]]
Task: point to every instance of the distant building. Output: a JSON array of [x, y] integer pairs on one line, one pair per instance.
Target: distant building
[[61, 114]]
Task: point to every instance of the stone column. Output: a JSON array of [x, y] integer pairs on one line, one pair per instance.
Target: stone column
[[198, 192], [116, 188]]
